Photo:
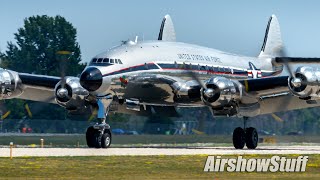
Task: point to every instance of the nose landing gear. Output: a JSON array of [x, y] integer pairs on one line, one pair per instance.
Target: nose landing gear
[[99, 135], [245, 136]]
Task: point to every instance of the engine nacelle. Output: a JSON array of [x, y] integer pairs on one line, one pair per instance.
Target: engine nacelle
[[189, 89], [70, 94], [10, 84], [221, 92], [306, 83]]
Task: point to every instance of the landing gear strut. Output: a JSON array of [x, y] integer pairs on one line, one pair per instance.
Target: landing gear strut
[[245, 136], [99, 135]]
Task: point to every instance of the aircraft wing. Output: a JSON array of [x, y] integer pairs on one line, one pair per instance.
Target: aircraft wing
[[274, 95], [38, 87], [66, 92], [250, 97]]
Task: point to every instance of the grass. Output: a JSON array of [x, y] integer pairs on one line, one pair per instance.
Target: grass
[[136, 167]]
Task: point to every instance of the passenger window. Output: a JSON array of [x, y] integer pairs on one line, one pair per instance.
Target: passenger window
[[111, 61], [119, 61]]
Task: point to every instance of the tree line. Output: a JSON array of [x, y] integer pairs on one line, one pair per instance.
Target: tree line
[[36, 50]]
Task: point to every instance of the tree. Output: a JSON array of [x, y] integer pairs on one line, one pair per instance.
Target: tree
[[38, 42], [36, 51]]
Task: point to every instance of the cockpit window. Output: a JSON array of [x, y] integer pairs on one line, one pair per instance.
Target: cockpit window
[[104, 61]]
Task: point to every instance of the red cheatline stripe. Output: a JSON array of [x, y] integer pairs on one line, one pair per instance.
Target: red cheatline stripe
[[129, 68]]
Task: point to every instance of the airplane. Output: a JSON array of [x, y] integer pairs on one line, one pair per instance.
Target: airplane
[[158, 76]]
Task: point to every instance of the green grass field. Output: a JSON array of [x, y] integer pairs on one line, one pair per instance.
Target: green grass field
[[136, 167]]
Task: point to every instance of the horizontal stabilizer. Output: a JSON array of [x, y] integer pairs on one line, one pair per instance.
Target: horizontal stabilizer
[[293, 60], [167, 32]]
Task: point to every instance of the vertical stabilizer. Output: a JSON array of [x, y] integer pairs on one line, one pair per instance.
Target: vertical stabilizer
[[272, 44], [167, 32]]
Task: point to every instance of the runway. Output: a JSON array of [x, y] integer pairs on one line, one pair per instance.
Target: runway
[[33, 152]]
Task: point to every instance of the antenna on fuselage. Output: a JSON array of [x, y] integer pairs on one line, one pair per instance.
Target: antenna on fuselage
[[136, 40]]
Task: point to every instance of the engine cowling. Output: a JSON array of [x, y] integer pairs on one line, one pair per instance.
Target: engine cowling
[[10, 84], [306, 83], [221, 92], [70, 94], [189, 89]]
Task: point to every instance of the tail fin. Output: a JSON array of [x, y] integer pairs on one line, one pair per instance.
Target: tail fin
[[272, 44], [167, 32]]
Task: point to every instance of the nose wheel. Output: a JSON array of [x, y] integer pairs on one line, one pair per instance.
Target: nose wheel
[[245, 136], [98, 136]]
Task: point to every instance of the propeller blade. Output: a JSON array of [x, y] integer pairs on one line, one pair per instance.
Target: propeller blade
[[277, 118], [285, 61], [196, 78], [208, 92], [63, 57]]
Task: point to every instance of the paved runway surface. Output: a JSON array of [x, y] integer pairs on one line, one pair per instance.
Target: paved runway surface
[[5, 152]]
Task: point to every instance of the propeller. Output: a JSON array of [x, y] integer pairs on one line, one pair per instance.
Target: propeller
[[208, 92], [61, 93]]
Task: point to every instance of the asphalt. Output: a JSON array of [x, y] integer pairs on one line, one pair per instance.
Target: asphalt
[[45, 152]]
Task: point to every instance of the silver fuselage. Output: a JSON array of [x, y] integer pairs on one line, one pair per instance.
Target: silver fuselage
[[176, 58]]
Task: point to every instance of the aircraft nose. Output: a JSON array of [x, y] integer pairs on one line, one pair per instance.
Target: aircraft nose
[[91, 79]]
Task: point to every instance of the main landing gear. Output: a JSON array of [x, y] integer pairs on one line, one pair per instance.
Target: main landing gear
[[245, 136], [99, 135]]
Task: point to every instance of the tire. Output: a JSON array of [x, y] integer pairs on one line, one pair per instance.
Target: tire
[[106, 140], [251, 138], [90, 137], [238, 138], [97, 139]]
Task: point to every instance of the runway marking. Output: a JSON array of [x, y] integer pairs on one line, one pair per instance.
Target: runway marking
[[30, 152]]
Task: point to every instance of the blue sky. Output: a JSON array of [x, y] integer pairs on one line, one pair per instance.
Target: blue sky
[[233, 26]]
